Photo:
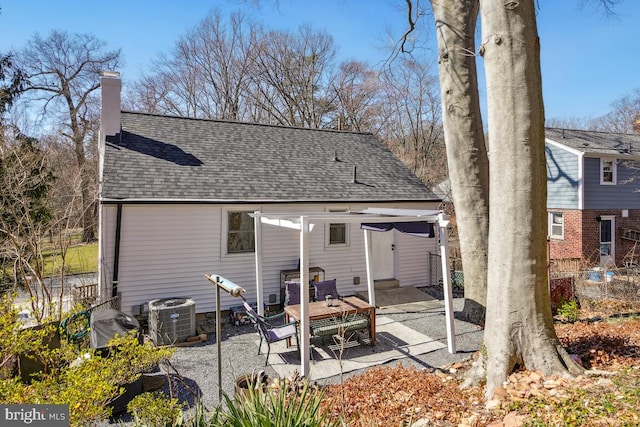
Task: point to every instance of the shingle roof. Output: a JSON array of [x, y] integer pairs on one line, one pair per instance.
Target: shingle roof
[[172, 158], [599, 143]]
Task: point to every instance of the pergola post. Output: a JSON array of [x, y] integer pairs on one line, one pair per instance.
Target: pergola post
[[305, 345], [257, 223], [367, 257]]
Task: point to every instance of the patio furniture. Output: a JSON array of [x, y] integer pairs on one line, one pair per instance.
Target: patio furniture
[[324, 289], [271, 332], [293, 275], [344, 315], [291, 292]]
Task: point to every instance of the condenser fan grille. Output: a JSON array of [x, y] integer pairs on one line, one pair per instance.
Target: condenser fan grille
[[172, 320]]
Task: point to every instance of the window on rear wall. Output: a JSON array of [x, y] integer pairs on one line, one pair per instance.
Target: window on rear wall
[[338, 233], [240, 233], [556, 225]]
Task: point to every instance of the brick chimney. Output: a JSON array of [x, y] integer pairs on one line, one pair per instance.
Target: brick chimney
[[110, 85]]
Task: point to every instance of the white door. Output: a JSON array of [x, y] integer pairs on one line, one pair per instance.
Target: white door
[[607, 241], [382, 247]]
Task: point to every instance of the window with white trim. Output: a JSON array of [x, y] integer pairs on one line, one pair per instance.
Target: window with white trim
[[337, 233], [607, 171], [556, 225], [240, 232]]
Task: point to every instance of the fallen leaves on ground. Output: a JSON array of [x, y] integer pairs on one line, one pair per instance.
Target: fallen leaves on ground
[[405, 396]]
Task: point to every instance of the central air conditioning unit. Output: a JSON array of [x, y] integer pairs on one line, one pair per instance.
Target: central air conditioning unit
[[171, 320]]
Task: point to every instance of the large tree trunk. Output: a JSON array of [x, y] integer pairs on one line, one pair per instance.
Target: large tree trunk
[[519, 316], [466, 150]]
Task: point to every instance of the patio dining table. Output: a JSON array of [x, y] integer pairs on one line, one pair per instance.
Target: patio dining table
[[339, 308]]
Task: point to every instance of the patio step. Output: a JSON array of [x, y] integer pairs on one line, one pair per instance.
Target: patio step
[[383, 284]]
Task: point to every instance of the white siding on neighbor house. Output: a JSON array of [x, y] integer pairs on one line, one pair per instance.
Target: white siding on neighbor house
[[167, 249]]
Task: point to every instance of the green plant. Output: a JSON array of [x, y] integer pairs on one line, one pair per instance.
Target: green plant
[[276, 407], [155, 409], [597, 405], [569, 310], [69, 373]]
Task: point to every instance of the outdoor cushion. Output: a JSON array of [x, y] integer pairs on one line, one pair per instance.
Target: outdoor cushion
[[281, 333], [292, 293], [270, 332], [325, 288], [335, 326]]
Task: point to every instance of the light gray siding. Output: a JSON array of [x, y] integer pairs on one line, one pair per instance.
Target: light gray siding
[[166, 250], [563, 178], [624, 195], [413, 259], [106, 250]]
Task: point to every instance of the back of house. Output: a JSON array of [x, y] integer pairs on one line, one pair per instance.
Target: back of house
[[177, 193]]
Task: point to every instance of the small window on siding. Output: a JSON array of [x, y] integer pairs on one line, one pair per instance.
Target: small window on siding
[[338, 233], [556, 225], [607, 171], [240, 233]]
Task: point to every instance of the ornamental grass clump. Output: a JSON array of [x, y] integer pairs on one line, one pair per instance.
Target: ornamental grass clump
[[275, 407]]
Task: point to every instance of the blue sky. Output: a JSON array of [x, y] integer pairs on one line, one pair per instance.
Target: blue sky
[[588, 60]]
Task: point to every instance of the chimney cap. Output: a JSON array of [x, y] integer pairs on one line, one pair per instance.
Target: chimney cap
[[112, 74]]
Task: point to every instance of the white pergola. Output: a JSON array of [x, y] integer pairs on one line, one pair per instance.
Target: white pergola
[[304, 222]]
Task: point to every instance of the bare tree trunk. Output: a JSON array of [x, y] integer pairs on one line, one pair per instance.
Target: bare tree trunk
[[519, 317], [466, 150]]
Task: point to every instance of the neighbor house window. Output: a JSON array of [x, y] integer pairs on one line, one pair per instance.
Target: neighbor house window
[[240, 233], [556, 225], [338, 233], [607, 171]]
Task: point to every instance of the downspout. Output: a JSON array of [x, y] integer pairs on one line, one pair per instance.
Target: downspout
[[116, 252]]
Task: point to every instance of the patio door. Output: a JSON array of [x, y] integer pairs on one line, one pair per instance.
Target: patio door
[[382, 255], [607, 240]]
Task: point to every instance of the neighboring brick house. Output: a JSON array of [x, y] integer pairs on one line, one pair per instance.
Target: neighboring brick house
[[593, 196]]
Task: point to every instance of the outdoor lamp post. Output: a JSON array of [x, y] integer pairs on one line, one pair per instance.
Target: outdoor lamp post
[[235, 291]]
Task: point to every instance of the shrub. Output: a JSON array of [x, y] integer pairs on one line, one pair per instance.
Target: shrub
[[71, 374], [155, 409], [569, 310]]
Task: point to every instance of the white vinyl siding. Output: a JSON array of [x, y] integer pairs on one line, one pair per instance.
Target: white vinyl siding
[[413, 258], [106, 250], [167, 249]]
